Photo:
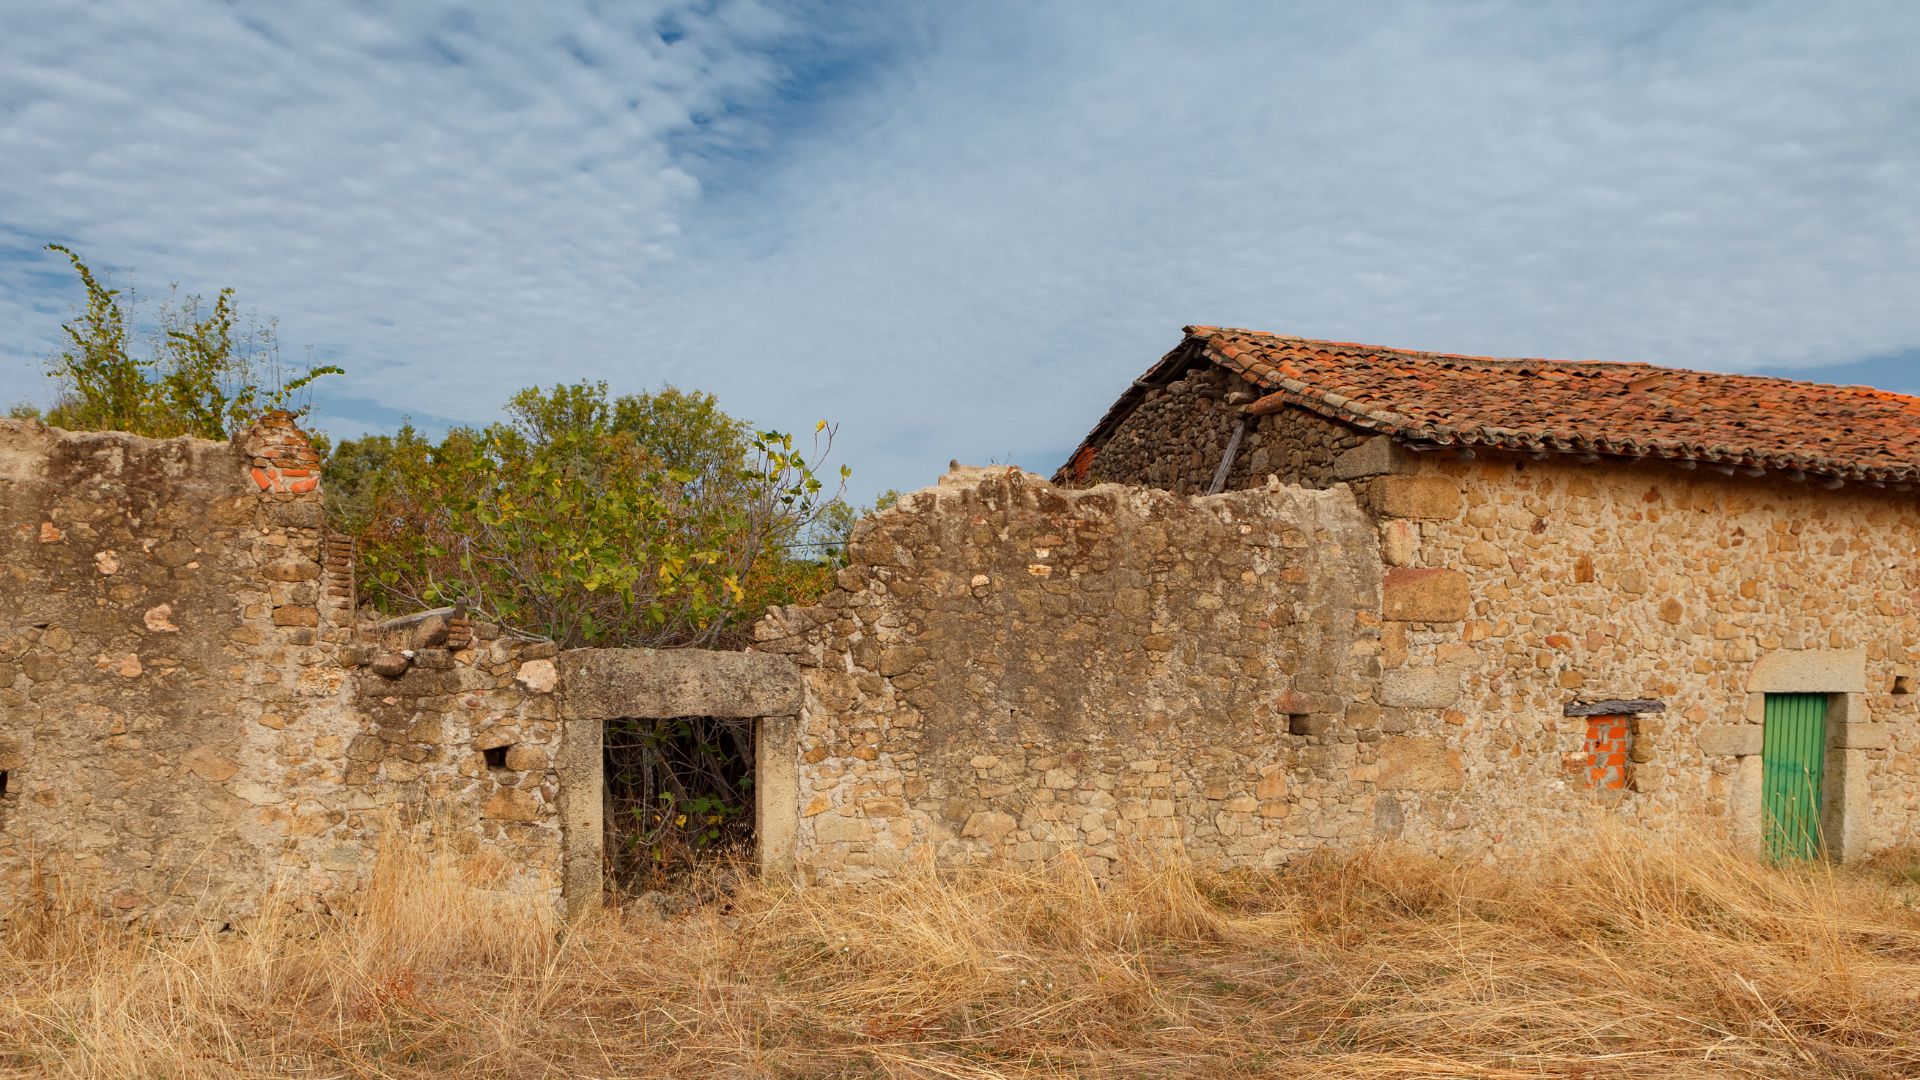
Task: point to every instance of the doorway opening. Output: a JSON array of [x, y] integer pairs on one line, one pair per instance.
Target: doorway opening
[[678, 794]]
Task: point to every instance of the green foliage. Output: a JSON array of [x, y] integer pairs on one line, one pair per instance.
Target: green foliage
[[206, 372], [653, 519]]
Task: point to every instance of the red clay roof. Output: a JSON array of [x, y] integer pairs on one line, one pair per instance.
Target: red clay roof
[[1569, 406]]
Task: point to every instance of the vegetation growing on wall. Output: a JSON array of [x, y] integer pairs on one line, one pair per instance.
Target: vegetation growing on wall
[[642, 520], [206, 370]]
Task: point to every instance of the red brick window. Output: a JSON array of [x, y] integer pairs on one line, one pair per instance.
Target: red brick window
[[1609, 741]]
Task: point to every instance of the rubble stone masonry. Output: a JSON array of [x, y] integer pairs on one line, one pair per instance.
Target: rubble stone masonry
[[1011, 671], [1178, 434], [1704, 592], [189, 721], [1475, 656], [1519, 588]]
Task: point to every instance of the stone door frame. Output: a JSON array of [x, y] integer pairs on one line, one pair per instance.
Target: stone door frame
[[1847, 808], [598, 685]]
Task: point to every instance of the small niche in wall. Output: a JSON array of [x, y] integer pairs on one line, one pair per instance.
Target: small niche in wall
[[1903, 683], [496, 756], [1308, 723], [3, 783]]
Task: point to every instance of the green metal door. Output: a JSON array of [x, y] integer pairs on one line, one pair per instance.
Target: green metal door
[[1793, 756]]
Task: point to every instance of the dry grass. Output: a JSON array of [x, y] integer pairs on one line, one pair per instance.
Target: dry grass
[[1618, 962]]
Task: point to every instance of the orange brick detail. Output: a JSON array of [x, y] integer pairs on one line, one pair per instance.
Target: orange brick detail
[[284, 461], [1607, 747]]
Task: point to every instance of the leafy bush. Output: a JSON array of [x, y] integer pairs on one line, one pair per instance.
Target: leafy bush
[[206, 371], [652, 519]]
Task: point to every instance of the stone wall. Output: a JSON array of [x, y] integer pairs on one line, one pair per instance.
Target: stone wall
[[188, 720], [1177, 435], [1470, 655], [1012, 670], [1580, 583], [1475, 657]]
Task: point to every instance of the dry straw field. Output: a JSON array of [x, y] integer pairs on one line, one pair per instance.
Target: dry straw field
[[1616, 961]]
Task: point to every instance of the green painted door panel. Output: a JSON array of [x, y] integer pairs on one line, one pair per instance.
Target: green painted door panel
[[1793, 756]]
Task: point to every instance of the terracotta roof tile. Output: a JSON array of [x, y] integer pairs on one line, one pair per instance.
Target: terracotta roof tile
[[1568, 406]]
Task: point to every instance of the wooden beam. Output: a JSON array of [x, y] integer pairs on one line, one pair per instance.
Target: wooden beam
[[1616, 708], [1226, 460]]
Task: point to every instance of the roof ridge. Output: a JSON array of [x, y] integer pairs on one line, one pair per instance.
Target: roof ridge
[[1581, 407], [1420, 354], [1205, 332]]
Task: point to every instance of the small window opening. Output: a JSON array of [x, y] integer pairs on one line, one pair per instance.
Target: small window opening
[[1903, 684], [496, 756], [1609, 744], [3, 783]]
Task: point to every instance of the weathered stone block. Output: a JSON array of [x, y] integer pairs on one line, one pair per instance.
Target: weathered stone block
[[1419, 688], [390, 664], [835, 828], [1729, 740], [512, 804], [1425, 595], [1865, 736], [1399, 542], [900, 659], [1377, 456], [992, 826], [1810, 671], [521, 758], [1413, 763], [541, 677], [1433, 498], [602, 684], [296, 616]]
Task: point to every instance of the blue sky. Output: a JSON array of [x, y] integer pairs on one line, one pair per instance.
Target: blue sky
[[959, 229]]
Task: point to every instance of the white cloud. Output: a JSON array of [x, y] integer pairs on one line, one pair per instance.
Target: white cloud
[[434, 197], [966, 242]]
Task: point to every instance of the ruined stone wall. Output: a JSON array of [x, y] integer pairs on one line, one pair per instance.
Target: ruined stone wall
[[1011, 670], [1568, 583], [186, 722], [1177, 435], [1440, 653]]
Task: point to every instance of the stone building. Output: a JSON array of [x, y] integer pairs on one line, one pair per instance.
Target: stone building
[[1464, 602], [1287, 594]]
